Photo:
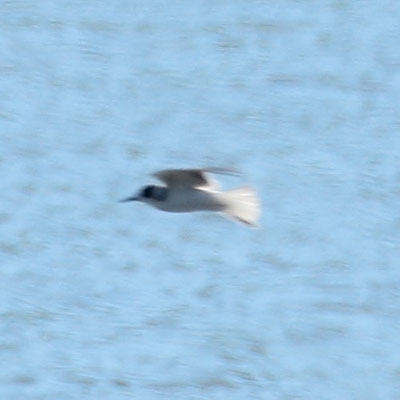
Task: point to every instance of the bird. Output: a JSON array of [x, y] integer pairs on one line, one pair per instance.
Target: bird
[[188, 190]]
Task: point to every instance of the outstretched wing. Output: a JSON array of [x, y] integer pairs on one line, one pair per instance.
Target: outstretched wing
[[198, 178], [185, 177]]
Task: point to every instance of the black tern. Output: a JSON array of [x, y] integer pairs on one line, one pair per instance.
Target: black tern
[[188, 190]]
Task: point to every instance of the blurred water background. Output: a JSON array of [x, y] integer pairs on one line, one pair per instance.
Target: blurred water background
[[101, 300]]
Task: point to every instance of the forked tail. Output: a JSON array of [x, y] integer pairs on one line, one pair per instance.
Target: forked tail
[[243, 205]]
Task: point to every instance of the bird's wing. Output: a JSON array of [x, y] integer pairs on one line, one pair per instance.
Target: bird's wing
[[197, 178]]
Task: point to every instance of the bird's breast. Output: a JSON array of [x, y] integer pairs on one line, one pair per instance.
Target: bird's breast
[[187, 200]]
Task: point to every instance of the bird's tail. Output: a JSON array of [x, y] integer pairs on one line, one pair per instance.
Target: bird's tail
[[243, 205]]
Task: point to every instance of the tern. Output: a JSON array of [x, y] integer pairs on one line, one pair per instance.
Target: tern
[[187, 190]]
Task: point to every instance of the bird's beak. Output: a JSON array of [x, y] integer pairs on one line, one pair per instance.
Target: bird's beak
[[131, 198]]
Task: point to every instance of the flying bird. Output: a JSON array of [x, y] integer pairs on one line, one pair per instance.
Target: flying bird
[[187, 190]]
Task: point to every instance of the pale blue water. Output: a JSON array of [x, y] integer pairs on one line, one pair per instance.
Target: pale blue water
[[106, 300]]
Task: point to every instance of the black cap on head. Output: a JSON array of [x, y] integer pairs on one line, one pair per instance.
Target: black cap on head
[[147, 192]]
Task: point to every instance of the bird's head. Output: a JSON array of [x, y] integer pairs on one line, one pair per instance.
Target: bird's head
[[150, 194]]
